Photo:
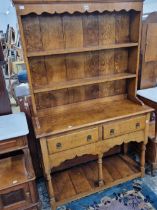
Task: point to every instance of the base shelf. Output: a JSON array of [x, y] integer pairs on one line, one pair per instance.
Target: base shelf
[[82, 180]]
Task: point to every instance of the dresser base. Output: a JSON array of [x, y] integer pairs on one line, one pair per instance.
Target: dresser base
[[81, 181]]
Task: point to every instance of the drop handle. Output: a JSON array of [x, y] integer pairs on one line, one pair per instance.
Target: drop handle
[[137, 125], [58, 145], [27, 195], [112, 132], [89, 138]]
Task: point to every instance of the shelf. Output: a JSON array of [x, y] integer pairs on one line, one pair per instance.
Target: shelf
[[83, 49], [14, 168], [79, 115], [85, 81], [116, 169]]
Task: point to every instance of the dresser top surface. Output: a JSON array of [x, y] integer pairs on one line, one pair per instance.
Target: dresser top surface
[[13, 125], [86, 114]]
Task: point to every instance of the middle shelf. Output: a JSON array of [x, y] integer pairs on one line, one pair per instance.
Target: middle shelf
[[84, 81], [82, 49]]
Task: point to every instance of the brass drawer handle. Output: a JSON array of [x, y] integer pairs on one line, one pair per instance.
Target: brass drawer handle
[[137, 125], [112, 132], [58, 146], [28, 195], [89, 138]]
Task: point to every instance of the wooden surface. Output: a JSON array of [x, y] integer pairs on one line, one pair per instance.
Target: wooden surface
[[84, 178], [83, 83], [148, 67], [91, 113], [21, 196], [13, 144], [33, 144], [13, 171]]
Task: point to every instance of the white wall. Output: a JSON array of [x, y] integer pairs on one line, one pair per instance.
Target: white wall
[[10, 18], [150, 6]]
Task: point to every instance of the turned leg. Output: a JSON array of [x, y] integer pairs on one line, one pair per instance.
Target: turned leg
[[47, 171], [155, 125], [125, 148], [100, 173], [142, 158], [28, 163]]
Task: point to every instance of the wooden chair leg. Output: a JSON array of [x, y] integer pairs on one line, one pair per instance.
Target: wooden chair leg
[[142, 159], [100, 175]]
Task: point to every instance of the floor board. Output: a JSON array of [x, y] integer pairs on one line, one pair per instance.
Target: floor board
[[109, 164], [79, 180]]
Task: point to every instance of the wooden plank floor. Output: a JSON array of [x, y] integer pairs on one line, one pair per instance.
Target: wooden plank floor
[[82, 179]]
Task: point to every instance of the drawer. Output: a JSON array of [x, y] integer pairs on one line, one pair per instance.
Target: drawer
[[17, 197], [72, 140], [12, 144], [123, 126]]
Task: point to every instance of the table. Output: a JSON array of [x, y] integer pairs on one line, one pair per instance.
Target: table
[[149, 97]]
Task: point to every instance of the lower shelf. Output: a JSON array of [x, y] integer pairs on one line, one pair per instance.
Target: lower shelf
[[82, 180], [13, 172]]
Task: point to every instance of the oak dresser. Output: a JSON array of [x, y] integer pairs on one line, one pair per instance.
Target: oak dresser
[[82, 60]]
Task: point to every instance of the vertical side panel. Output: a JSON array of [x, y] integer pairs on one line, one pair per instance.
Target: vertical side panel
[[56, 68], [92, 92], [91, 64], [59, 97], [31, 28], [122, 27], [90, 30], [106, 58], [106, 28], [73, 32], [106, 89], [38, 72], [43, 100], [76, 94], [121, 60], [75, 66], [51, 32], [120, 87], [75, 70], [106, 62]]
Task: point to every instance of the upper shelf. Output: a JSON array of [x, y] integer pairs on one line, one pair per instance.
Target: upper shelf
[[83, 49], [85, 81]]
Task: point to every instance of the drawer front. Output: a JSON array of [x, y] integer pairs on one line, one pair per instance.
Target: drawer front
[[12, 144], [72, 140], [123, 126], [18, 197]]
